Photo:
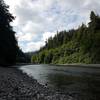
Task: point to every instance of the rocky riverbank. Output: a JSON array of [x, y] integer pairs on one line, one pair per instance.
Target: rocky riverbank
[[15, 85]]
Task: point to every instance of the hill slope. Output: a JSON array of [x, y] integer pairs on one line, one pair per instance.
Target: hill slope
[[74, 46]]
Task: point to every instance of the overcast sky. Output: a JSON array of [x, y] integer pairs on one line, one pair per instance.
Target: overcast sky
[[36, 20]]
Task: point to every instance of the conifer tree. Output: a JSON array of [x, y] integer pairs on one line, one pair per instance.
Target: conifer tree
[[8, 43]]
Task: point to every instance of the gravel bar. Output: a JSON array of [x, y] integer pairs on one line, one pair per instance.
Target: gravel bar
[[15, 85]]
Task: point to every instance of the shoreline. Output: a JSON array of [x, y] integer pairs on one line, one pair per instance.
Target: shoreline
[[15, 85], [78, 65], [71, 65]]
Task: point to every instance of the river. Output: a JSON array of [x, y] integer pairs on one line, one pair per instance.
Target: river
[[80, 81]]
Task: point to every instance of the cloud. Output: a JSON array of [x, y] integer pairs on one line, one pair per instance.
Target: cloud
[[36, 20], [25, 37], [46, 35], [31, 46]]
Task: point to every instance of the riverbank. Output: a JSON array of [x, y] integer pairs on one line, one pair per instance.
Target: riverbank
[[15, 85], [64, 65], [78, 65]]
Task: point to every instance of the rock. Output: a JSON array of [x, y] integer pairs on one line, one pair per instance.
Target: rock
[[15, 85]]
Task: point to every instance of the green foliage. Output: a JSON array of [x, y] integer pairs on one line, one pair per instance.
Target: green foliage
[[75, 46], [34, 59]]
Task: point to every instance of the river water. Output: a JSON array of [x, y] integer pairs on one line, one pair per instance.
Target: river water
[[77, 81]]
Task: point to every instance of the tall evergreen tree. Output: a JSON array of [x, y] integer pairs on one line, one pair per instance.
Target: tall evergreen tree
[[95, 22], [8, 43]]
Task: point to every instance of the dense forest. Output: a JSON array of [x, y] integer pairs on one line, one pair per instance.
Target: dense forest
[[10, 53], [80, 45]]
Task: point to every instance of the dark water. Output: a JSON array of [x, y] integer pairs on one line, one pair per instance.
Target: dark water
[[79, 82]]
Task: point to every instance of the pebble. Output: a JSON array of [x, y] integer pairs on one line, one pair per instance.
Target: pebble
[[15, 85]]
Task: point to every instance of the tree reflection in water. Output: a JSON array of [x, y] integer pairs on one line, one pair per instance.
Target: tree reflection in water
[[85, 87]]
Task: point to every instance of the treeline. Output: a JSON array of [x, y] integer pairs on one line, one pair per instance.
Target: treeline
[[80, 45]]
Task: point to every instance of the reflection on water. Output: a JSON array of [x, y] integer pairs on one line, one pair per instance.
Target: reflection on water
[[78, 82]]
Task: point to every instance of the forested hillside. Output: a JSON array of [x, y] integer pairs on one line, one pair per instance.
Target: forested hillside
[[80, 45]]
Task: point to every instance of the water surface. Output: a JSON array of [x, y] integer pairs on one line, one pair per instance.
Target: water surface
[[81, 82]]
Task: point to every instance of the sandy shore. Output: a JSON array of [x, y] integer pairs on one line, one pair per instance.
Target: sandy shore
[[14, 85]]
